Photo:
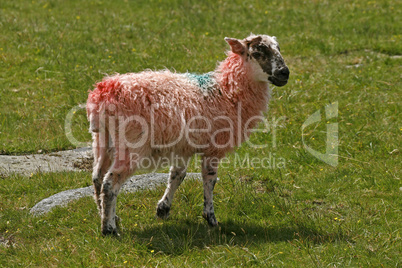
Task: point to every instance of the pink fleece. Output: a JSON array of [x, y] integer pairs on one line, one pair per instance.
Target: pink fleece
[[169, 101]]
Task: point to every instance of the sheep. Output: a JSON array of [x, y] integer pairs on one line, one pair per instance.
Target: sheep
[[162, 114]]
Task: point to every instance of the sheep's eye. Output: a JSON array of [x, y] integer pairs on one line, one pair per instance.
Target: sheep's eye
[[279, 49], [257, 54]]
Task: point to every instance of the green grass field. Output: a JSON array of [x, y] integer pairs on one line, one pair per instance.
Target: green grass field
[[297, 212]]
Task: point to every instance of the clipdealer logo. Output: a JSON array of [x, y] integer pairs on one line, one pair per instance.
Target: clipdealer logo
[[332, 143], [331, 153]]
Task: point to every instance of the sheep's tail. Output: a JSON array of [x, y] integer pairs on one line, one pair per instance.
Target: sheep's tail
[[104, 92], [94, 110], [93, 117]]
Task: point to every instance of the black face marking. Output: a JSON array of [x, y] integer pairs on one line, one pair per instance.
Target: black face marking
[[270, 60], [256, 41], [263, 55]]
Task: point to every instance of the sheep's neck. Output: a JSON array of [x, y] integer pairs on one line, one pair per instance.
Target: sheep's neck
[[234, 77], [248, 97]]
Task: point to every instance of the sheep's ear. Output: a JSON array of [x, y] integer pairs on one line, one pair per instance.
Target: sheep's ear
[[236, 45]]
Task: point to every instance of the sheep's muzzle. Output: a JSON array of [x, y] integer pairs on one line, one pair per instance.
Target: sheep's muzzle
[[280, 77]]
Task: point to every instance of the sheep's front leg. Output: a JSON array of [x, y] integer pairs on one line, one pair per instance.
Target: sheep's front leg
[[209, 177], [176, 177]]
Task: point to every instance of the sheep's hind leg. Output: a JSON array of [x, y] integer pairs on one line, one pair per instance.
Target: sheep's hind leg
[[102, 163], [209, 177], [176, 177], [111, 185]]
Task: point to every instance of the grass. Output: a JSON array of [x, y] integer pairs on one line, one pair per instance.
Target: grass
[[296, 212]]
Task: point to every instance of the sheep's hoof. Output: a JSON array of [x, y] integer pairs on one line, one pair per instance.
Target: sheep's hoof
[[109, 230], [210, 217], [162, 211]]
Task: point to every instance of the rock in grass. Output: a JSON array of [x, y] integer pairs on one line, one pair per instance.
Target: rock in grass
[[135, 183]]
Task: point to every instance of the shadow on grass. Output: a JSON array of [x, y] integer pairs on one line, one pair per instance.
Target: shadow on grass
[[182, 235]]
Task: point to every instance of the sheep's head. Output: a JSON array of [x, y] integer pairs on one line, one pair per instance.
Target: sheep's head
[[262, 52]]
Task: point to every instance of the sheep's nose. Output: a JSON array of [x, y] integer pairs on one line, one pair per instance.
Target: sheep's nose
[[283, 73]]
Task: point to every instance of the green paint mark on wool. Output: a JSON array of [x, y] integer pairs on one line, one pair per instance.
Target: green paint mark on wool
[[202, 79], [205, 82]]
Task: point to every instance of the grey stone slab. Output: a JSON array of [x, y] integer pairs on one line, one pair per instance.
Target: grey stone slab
[[135, 183], [51, 162]]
